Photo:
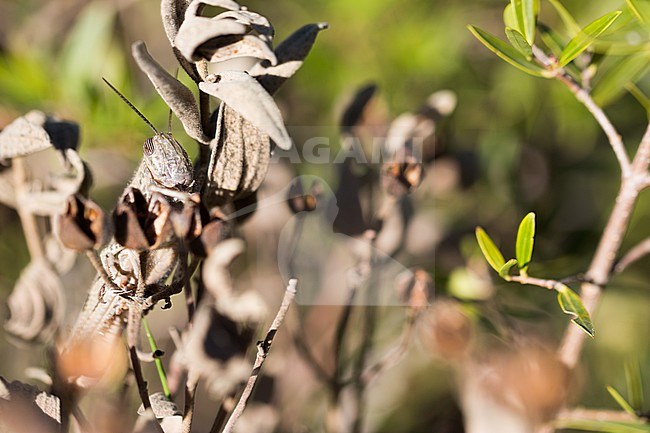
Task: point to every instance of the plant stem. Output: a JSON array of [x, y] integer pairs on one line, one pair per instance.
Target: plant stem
[[159, 365], [263, 348], [27, 219]]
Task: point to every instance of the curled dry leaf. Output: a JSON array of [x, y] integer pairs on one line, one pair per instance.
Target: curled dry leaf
[[178, 97], [258, 23], [247, 97], [249, 46], [140, 225], [239, 159], [36, 304], [290, 55], [26, 409], [216, 275], [34, 132], [173, 13], [83, 225], [199, 37]]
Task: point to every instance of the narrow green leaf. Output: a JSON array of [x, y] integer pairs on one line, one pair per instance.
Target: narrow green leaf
[[621, 401], [504, 272], [518, 41], [586, 37], [568, 20], [509, 17], [507, 53], [614, 82], [640, 97], [489, 250], [641, 10], [525, 12], [525, 241], [551, 39], [634, 385], [571, 304], [592, 425]]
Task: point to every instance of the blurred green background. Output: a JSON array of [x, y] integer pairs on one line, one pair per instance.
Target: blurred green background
[[520, 143]]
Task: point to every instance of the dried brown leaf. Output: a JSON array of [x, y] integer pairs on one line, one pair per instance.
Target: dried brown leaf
[[239, 160], [26, 409], [247, 46], [199, 37], [34, 132], [178, 97], [83, 226], [173, 13], [290, 55], [248, 98]]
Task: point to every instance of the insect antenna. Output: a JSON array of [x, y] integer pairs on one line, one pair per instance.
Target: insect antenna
[[127, 102]]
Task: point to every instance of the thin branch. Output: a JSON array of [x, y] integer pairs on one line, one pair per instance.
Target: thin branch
[[188, 411], [393, 356], [544, 283], [606, 125], [637, 252], [139, 378], [263, 348]]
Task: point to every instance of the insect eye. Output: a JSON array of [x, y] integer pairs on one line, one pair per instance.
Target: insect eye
[[148, 147]]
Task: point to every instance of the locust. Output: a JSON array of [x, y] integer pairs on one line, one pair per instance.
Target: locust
[[117, 295]]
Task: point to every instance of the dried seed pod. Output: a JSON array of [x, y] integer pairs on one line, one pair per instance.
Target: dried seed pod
[[415, 288], [213, 232], [188, 222], [298, 200], [401, 178], [83, 226], [140, 225]]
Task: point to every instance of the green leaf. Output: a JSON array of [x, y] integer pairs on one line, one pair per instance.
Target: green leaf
[[507, 53], [509, 17], [517, 40], [621, 401], [551, 39], [592, 425], [586, 37], [525, 241], [489, 250], [504, 272], [614, 82], [640, 97], [568, 20], [634, 385], [571, 304], [525, 12], [641, 10]]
